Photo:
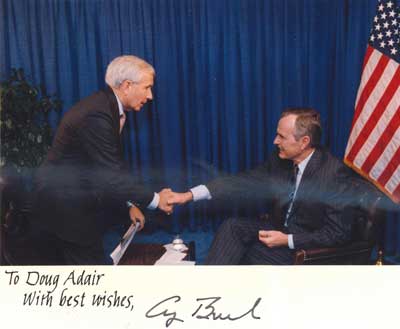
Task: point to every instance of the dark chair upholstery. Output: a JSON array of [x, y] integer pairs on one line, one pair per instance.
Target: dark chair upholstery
[[368, 218], [12, 217], [19, 246]]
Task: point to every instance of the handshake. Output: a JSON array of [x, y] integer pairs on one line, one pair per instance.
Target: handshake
[[168, 199]]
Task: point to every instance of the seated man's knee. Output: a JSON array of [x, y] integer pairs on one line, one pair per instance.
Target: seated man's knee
[[232, 224], [238, 228]]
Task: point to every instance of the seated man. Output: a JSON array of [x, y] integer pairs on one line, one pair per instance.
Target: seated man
[[306, 185]]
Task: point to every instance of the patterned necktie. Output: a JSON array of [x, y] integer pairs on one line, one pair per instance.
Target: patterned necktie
[[292, 193], [122, 119]]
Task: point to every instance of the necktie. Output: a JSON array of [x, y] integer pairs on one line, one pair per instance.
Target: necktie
[[292, 193], [122, 119]]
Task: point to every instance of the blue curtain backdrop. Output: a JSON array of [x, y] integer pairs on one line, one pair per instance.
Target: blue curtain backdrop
[[225, 70]]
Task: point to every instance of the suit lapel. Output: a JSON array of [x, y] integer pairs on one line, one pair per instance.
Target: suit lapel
[[113, 108], [305, 186], [115, 115], [312, 166]]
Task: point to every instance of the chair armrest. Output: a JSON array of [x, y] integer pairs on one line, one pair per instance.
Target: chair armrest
[[332, 255]]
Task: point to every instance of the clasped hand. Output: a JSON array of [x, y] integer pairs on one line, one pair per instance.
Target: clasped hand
[[168, 199], [166, 203]]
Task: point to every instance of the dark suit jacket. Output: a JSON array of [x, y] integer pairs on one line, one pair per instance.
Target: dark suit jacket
[[316, 218], [84, 171]]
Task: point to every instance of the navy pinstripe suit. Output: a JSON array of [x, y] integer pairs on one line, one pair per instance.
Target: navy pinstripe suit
[[83, 175], [315, 220]]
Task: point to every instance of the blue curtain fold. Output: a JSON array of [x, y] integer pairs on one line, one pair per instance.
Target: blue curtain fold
[[225, 70]]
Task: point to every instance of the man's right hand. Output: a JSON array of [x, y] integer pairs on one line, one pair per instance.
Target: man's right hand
[[180, 198], [163, 204]]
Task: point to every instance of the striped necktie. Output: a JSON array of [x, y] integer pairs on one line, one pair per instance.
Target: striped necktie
[[122, 119], [292, 193]]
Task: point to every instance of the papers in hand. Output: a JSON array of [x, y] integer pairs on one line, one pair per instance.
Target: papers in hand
[[119, 251]]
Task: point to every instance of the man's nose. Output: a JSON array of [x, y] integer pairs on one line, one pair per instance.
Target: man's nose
[[150, 95]]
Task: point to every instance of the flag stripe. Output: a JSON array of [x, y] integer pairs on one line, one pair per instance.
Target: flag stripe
[[394, 181], [373, 100], [390, 168], [370, 85], [368, 54], [375, 115], [383, 140], [370, 62], [381, 164], [380, 127]]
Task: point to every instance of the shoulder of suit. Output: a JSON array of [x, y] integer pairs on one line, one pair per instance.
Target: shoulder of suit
[[324, 153], [101, 100], [337, 165], [101, 97]]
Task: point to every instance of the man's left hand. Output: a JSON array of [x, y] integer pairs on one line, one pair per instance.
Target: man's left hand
[[136, 215], [273, 238]]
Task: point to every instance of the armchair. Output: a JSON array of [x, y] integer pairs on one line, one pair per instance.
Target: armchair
[[367, 233]]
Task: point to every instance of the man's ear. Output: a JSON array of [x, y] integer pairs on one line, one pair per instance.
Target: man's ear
[[306, 140], [124, 86]]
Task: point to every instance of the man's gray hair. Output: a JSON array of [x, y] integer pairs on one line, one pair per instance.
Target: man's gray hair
[[126, 67], [308, 123]]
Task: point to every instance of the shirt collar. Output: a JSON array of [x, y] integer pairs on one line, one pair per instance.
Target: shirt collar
[[120, 107], [303, 164]]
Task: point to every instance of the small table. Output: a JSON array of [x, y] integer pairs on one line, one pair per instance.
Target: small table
[[149, 253]]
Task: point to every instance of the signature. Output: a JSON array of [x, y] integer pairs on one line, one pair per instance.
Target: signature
[[206, 310], [154, 311]]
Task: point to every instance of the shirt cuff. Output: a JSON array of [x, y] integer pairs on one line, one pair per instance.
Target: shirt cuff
[[154, 203], [200, 192], [290, 241]]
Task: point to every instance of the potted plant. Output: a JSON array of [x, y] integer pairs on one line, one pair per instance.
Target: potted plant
[[26, 133]]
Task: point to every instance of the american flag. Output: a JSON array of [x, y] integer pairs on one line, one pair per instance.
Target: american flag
[[373, 148]]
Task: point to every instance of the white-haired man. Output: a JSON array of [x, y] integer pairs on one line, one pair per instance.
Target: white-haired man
[[84, 172]]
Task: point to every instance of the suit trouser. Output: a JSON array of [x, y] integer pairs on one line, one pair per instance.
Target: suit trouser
[[56, 251], [75, 254], [236, 242], [57, 209]]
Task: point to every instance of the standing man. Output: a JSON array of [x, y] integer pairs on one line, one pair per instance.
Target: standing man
[[306, 185], [84, 172]]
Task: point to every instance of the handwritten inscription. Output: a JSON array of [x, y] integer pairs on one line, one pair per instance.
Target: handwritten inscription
[[51, 281], [206, 310], [52, 289], [55, 290]]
